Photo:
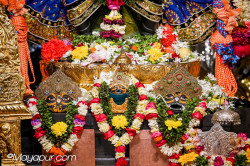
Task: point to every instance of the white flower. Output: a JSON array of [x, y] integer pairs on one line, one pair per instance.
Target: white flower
[[119, 155], [72, 139], [103, 126], [142, 91], [136, 124], [177, 60], [114, 139], [67, 147], [96, 33], [152, 123], [125, 139]]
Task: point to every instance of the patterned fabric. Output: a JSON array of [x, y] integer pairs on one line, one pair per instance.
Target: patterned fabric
[[218, 4], [226, 51], [221, 28], [177, 12]]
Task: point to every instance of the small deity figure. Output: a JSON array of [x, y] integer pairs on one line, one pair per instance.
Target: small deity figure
[[58, 90], [177, 87]]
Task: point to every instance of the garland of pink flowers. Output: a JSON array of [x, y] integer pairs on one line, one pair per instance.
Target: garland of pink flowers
[[173, 152], [109, 134], [40, 134]]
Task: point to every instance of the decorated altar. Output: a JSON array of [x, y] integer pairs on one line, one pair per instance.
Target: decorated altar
[[124, 82]]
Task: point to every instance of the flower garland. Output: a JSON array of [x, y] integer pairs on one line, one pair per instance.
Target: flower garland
[[168, 130], [58, 138], [196, 155], [123, 128]]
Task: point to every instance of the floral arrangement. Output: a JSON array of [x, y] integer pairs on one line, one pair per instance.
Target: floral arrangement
[[55, 49], [58, 138], [169, 130], [172, 46], [118, 129], [244, 6], [212, 93], [196, 155], [241, 41], [113, 24]]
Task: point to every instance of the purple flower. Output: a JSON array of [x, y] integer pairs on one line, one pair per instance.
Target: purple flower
[[218, 161], [35, 122], [79, 122]]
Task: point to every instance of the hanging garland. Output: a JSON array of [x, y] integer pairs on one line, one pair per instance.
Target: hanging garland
[[58, 138], [169, 129], [119, 129]]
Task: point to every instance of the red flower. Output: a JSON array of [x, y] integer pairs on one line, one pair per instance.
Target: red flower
[[232, 160], [208, 157], [114, 4], [54, 49], [37, 116], [143, 97], [97, 85], [151, 105], [184, 138], [160, 143], [80, 117], [197, 115], [198, 149], [39, 133], [203, 104], [175, 56], [121, 162], [100, 118], [170, 112], [120, 149], [83, 102], [94, 100], [108, 134], [174, 156], [69, 47], [139, 84], [131, 132], [58, 161], [152, 115], [246, 147], [32, 103], [77, 130], [138, 115], [173, 164]]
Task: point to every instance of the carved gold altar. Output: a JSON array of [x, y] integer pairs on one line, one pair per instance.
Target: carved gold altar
[[84, 76], [12, 109]]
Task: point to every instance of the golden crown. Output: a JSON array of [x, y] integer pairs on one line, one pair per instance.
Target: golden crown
[[58, 83], [178, 80]]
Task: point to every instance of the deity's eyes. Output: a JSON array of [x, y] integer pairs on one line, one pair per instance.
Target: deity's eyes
[[169, 97], [183, 97], [51, 98], [66, 98]]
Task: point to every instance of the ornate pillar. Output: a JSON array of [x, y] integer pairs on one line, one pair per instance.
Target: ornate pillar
[[12, 109]]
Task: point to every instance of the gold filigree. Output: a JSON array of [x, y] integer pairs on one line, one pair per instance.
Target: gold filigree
[[58, 83], [84, 75], [118, 108], [178, 80], [86, 14], [150, 7], [137, 8], [217, 141]]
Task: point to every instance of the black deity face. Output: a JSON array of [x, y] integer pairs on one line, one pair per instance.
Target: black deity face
[[118, 89], [176, 101], [58, 103]]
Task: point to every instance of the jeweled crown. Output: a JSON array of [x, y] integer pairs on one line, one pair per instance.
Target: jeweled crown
[[58, 83], [178, 80]]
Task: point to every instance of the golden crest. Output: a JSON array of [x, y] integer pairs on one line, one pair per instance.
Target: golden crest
[[178, 80], [118, 108], [58, 83]]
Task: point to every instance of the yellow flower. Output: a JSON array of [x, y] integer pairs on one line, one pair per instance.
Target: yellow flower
[[184, 159], [119, 121], [59, 128], [155, 53], [173, 124], [190, 147], [117, 17], [219, 100], [248, 155], [184, 52], [80, 52]]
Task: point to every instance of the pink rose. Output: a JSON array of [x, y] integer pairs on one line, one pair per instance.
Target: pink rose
[[151, 105], [243, 136]]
